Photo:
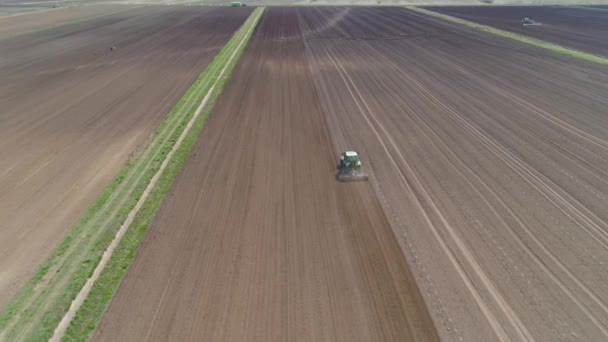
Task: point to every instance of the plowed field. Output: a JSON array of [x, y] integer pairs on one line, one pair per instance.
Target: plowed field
[[73, 111], [257, 241], [487, 158], [35, 21], [579, 28]]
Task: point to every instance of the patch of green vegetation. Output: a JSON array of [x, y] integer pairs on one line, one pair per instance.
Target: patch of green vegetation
[[527, 40], [41, 304]]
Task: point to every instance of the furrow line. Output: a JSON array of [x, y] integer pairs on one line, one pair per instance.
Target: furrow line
[[496, 325]]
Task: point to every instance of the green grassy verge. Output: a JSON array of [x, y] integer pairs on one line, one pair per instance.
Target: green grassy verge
[[527, 40], [41, 304], [76, 21]]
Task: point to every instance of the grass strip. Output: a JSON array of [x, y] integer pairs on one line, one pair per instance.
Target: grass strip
[[514, 36], [65, 23], [87, 318], [40, 305]]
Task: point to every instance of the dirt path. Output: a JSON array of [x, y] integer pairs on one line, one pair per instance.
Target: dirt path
[[74, 111], [257, 240]]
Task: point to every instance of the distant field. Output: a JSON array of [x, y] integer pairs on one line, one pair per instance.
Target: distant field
[[74, 111], [583, 29], [11, 7], [53, 17], [11, 10]]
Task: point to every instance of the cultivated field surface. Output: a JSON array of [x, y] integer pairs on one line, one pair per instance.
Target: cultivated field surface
[[17, 8], [12, 25], [579, 28], [257, 241], [74, 111], [486, 157]]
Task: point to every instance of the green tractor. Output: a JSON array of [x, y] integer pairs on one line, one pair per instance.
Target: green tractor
[[349, 169], [527, 21]]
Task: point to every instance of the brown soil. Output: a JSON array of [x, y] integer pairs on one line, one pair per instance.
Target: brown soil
[[257, 240], [35, 21], [73, 111], [492, 156], [488, 157], [584, 29]]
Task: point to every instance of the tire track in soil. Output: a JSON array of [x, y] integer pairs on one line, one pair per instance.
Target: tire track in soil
[[426, 79], [418, 188], [257, 240]]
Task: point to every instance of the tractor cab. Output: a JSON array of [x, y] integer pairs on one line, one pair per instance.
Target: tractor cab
[[349, 159], [349, 169], [527, 21]]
